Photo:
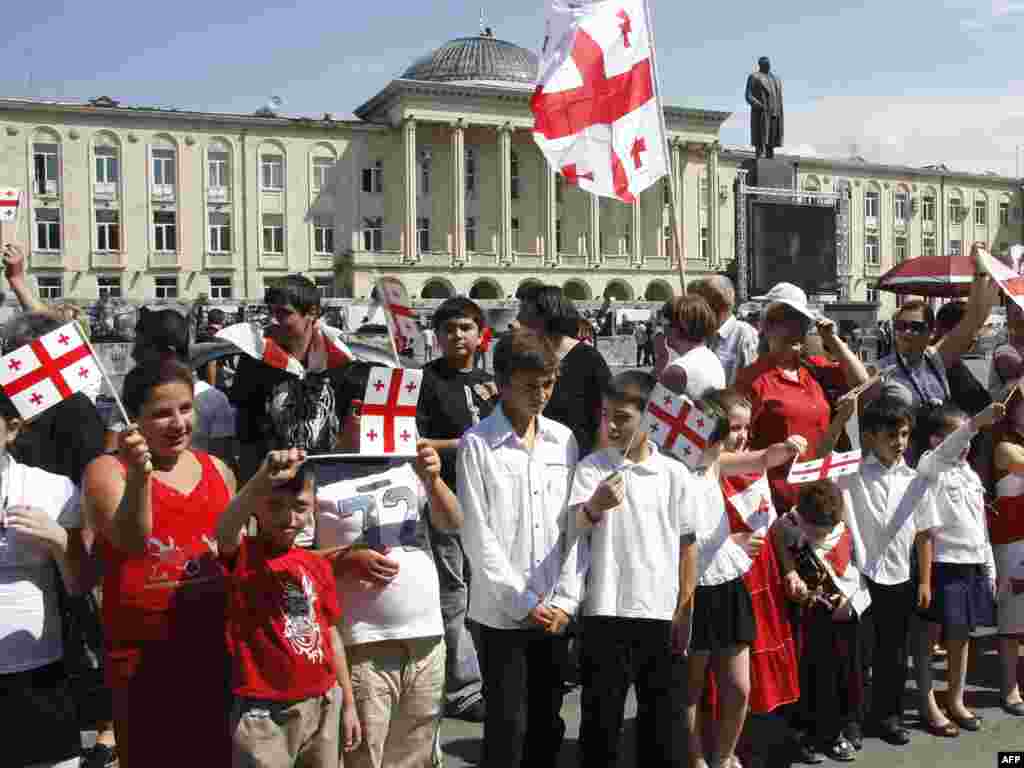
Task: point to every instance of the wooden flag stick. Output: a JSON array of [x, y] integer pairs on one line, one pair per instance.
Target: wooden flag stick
[[1013, 392]]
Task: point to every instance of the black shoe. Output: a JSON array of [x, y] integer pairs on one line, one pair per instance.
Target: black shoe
[[841, 750], [972, 723], [100, 756], [894, 734], [474, 713], [853, 735], [805, 752], [1016, 708]]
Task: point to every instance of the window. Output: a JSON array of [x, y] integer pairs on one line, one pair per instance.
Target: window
[[108, 230], [322, 172], [704, 193], [373, 233], [704, 243], [46, 169], [50, 287], [167, 286], [515, 176], [871, 198], [220, 232], [559, 188], [981, 212], [425, 175], [666, 242], [163, 168], [901, 249], [901, 207], [219, 168], [272, 172], [470, 171], [220, 286], [470, 233], [273, 233], [928, 209], [165, 231], [627, 236], [109, 286], [955, 247], [323, 235], [324, 284], [373, 178], [558, 236], [48, 229], [871, 295], [666, 192], [954, 210], [871, 255], [515, 235], [1004, 213], [423, 234], [107, 166], [928, 245]]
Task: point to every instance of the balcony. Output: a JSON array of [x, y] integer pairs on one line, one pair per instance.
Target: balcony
[[270, 260], [321, 261], [217, 194], [46, 259], [163, 260], [529, 261], [163, 191], [48, 189], [107, 260], [219, 260], [105, 190]]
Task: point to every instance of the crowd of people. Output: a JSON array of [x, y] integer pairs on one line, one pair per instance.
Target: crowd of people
[[195, 586]]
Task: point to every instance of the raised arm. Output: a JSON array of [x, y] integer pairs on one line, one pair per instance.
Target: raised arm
[[983, 296], [118, 501], [14, 270], [445, 512], [851, 365], [846, 406], [277, 467], [773, 456]]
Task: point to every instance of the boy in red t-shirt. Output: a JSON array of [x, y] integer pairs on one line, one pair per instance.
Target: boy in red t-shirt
[[290, 676]]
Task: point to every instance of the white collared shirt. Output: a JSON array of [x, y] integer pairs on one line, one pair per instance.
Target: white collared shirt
[[630, 560], [880, 516], [953, 507], [719, 558], [735, 344], [515, 503]]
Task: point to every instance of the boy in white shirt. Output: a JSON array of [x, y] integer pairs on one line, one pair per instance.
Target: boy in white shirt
[[513, 472], [637, 547], [388, 585], [957, 581], [880, 516]]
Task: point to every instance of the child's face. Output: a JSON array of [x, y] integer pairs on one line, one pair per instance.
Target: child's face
[[739, 429], [527, 392], [459, 338], [286, 513], [814, 532], [622, 420], [889, 444]]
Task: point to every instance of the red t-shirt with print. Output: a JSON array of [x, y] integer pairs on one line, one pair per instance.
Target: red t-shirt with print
[[281, 608]]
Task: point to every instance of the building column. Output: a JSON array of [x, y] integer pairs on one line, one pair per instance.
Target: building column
[[410, 251], [680, 159], [636, 211], [594, 229], [550, 213], [711, 153], [458, 230], [505, 195], [742, 262]]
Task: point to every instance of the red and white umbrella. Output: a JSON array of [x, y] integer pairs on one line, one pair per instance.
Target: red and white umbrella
[[932, 276]]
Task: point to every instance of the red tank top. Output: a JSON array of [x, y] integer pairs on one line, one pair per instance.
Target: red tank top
[[1006, 520], [177, 589]]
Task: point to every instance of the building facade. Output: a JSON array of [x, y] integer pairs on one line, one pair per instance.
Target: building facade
[[438, 181]]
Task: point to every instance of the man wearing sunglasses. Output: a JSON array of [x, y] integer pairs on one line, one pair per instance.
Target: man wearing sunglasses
[[916, 371]]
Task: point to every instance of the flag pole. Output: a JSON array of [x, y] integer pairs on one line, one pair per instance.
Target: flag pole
[[675, 201]]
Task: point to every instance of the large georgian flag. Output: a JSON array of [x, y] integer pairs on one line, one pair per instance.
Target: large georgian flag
[[401, 319], [327, 349], [677, 425], [387, 419], [9, 199], [48, 370], [597, 115], [1009, 280]]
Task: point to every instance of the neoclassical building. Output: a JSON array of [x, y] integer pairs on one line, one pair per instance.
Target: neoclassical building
[[438, 181]]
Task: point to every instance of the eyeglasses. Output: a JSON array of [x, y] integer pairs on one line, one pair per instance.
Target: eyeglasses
[[914, 327]]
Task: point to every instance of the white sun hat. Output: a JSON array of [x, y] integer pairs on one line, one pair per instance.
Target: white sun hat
[[792, 296]]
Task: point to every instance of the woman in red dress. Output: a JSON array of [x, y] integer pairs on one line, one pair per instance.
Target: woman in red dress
[[155, 507]]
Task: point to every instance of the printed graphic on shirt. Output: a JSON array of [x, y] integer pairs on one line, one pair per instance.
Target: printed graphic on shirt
[[301, 628], [390, 518], [171, 564], [302, 413]]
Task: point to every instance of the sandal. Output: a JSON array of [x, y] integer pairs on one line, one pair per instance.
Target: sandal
[[842, 750], [947, 730]]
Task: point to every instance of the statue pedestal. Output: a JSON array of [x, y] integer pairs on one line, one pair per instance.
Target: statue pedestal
[[776, 173]]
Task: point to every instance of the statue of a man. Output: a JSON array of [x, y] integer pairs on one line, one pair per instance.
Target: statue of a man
[[764, 95]]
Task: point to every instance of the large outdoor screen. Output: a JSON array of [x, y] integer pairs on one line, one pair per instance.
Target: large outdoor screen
[[794, 244]]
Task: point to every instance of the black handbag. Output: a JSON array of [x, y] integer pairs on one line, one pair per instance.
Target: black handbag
[[82, 632]]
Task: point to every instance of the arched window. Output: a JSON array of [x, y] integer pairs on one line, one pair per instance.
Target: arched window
[[322, 161], [272, 167], [981, 210], [218, 169]]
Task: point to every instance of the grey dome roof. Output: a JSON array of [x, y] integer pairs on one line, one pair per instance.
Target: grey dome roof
[[476, 58]]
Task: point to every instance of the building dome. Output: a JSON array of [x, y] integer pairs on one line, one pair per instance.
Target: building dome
[[483, 58]]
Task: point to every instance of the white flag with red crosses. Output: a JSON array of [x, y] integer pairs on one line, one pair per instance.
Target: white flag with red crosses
[[48, 370], [597, 117], [387, 420], [677, 425], [832, 466], [10, 197], [401, 318]]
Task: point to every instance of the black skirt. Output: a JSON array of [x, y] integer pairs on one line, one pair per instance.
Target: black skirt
[[962, 598], [723, 617]]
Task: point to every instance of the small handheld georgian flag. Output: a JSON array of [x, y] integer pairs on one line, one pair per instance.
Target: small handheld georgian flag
[[677, 425], [1011, 283], [832, 466], [47, 371], [752, 499], [388, 416], [401, 319], [9, 199]]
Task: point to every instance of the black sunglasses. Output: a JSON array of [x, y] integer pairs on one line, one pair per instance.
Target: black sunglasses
[[915, 327]]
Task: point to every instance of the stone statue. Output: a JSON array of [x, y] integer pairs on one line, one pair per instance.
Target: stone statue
[[764, 95]]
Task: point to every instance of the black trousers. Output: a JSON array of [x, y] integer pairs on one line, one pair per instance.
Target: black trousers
[[522, 673], [891, 606], [831, 678], [616, 653]]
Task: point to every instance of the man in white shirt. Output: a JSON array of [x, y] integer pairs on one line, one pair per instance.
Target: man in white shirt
[[735, 341], [514, 471], [880, 516]]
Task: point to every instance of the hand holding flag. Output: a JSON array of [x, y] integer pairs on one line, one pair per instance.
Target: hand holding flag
[[1011, 283], [387, 419]]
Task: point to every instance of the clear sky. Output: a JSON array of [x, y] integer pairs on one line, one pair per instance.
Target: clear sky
[[912, 81]]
